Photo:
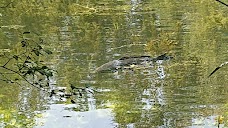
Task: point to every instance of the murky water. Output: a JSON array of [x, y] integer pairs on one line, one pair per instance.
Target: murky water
[[84, 35]]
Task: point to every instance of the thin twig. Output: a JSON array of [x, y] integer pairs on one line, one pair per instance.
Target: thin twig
[[7, 62], [222, 3], [7, 5], [22, 77]]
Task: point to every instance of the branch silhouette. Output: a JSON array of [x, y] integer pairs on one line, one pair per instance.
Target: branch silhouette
[[222, 3], [223, 64]]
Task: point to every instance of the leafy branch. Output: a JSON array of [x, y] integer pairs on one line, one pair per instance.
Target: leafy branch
[[26, 64]]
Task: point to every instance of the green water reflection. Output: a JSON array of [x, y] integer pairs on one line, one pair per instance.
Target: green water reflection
[[86, 34]]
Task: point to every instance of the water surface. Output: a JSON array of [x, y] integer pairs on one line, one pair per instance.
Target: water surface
[[85, 35]]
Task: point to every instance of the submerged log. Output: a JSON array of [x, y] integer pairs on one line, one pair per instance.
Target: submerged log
[[127, 61]]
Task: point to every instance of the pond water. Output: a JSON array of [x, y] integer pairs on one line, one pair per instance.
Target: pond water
[[84, 35]]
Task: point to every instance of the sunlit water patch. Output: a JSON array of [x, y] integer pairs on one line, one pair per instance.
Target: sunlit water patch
[[59, 116]]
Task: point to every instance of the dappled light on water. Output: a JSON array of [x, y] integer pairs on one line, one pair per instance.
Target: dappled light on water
[[133, 64]]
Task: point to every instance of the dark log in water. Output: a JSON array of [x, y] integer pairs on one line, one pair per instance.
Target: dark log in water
[[127, 61]]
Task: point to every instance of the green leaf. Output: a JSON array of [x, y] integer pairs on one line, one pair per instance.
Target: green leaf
[[42, 72], [47, 51], [24, 43], [49, 74], [39, 47], [29, 72], [27, 61], [44, 67], [26, 32], [36, 52], [15, 57]]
